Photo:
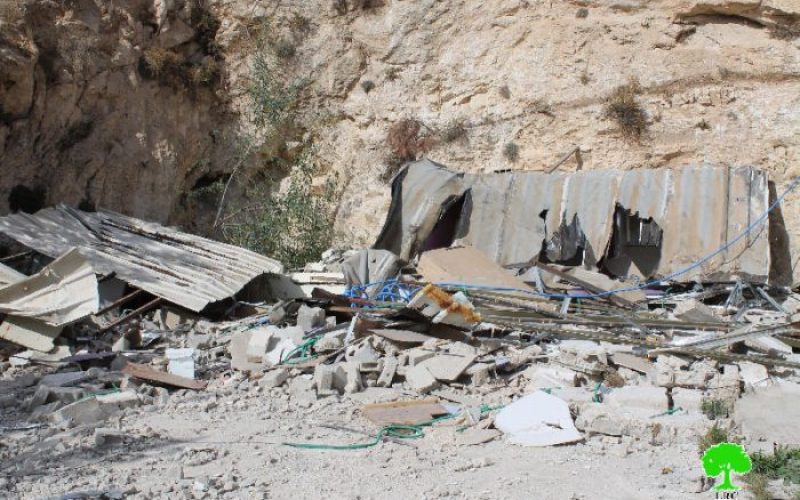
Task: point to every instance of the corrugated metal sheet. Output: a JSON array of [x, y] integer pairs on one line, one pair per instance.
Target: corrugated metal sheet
[[182, 268], [61, 293], [512, 216]]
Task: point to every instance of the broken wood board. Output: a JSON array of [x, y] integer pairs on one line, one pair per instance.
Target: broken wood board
[[401, 336], [144, 372], [403, 412], [466, 265]]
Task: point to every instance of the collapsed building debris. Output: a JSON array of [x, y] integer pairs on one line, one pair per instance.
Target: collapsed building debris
[[642, 223], [184, 269], [541, 354]]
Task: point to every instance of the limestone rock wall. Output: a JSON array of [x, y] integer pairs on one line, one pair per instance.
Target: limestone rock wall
[[718, 82]]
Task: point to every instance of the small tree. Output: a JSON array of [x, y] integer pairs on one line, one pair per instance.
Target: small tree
[[725, 458]]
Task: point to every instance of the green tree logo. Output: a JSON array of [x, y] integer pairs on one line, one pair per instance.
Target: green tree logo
[[725, 458]]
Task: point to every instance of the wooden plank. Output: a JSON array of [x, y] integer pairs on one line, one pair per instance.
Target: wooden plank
[[468, 266], [144, 372], [403, 412]]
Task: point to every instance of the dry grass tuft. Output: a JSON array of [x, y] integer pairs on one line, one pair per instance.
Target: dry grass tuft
[[623, 107]]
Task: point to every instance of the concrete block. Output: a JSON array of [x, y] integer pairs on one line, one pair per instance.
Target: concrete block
[[237, 348], [353, 376], [274, 378], [258, 344], [420, 379], [292, 333], [387, 374], [324, 379], [84, 412], [370, 366], [310, 318]]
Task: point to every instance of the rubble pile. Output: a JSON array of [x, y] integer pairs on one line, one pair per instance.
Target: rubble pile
[[541, 354]]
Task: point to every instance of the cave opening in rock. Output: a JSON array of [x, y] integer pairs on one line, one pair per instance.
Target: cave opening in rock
[[25, 199]]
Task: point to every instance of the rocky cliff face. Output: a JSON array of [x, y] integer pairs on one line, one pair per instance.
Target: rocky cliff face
[[88, 114]]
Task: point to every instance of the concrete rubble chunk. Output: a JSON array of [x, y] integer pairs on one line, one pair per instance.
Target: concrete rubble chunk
[[389, 370], [310, 318], [420, 379], [694, 311], [537, 419], [274, 378], [753, 375], [767, 415], [418, 355], [181, 361], [258, 344], [583, 355], [65, 379], [104, 436], [447, 367]]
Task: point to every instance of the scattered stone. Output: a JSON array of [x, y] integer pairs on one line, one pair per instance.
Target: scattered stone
[[420, 379]]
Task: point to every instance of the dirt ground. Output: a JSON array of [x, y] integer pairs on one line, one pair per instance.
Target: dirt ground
[[226, 443]]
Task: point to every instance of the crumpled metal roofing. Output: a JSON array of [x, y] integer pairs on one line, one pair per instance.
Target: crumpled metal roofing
[[61, 293], [185, 269], [513, 216]]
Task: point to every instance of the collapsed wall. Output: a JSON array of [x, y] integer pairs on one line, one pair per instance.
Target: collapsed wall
[[641, 223]]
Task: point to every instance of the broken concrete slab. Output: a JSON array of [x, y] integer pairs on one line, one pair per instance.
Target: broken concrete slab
[[30, 333], [651, 399], [537, 419], [403, 412], [420, 379], [472, 436], [753, 375], [632, 362], [765, 416], [447, 367]]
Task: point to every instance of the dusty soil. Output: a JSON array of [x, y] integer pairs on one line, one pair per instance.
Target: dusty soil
[[227, 441]]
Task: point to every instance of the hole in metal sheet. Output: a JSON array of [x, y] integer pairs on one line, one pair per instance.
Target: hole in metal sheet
[[635, 241]]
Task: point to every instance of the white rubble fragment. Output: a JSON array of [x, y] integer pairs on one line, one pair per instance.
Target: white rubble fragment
[[538, 419], [181, 362]]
